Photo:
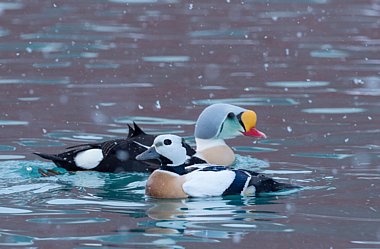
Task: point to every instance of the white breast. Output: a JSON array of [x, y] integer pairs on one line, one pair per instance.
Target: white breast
[[207, 183], [89, 159]]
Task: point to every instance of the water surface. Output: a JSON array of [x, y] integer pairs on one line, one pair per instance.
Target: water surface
[[79, 71]]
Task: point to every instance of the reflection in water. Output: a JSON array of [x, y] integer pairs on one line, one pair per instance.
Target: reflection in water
[[213, 218]]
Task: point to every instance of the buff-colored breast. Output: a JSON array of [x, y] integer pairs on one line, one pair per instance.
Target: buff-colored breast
[[164, 184], [219, 155]]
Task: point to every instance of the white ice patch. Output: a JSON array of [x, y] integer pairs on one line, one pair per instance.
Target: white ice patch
[[89, 159], [208, 183]]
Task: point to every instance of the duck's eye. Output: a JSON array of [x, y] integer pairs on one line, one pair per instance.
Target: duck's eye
[[167, 142], [231, 115]]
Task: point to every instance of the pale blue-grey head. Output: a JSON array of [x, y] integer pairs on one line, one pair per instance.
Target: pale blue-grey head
[[226, 121]]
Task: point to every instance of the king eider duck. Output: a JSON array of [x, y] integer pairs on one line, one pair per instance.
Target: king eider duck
[[173, 181], [112, 156], [219, 122]]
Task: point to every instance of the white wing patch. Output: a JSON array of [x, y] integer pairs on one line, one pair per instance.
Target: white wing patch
[[207, 183], [142, 145], [89, 159]]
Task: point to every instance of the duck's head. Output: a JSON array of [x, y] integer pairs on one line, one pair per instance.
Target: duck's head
[[170, 150], [223, 121]]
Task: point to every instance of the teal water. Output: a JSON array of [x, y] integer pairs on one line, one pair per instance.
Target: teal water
[[79, 71]]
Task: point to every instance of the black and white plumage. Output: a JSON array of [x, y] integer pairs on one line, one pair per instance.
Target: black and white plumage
[[173, 180], [113, 156]]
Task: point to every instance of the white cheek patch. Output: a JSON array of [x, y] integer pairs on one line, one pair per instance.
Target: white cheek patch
[[89, 159]]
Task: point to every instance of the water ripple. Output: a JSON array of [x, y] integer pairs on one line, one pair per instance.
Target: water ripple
[[11, 157], [334, 110], [167, 59], [88, 202], [68, 220], [298, 83], [12, 122], [77, 136], [153, 120], [7, 210], [253, 101], [7, 148], [323, 155]]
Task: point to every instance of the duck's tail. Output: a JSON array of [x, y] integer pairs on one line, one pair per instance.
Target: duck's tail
[[48, 156], [264, 184]]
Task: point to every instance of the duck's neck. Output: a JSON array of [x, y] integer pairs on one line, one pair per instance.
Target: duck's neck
[[180, 170], [214, 151], [203, 144]]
